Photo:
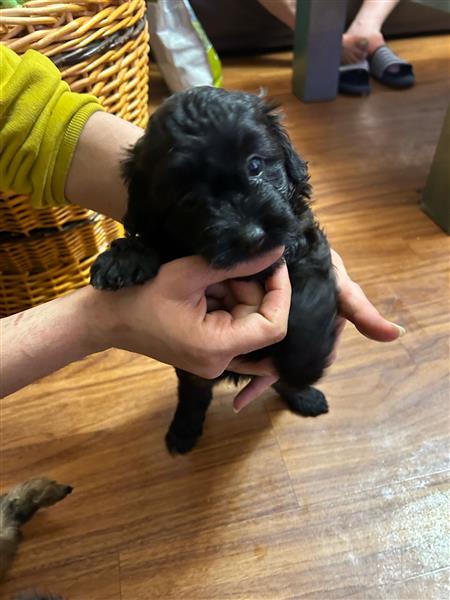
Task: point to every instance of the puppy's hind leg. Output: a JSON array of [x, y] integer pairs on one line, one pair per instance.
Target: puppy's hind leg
[[307, 401], [194, 398], [128, 262]]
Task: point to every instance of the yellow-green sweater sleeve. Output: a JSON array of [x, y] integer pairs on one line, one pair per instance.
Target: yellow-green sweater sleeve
[[40, 123]]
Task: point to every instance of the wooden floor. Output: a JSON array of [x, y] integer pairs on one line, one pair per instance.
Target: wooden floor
[[354, 504]]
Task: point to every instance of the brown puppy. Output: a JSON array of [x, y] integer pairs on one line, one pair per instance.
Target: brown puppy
[[18, 506]]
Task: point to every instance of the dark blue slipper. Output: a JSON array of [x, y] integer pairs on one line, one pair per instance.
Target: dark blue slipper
[[354, 79], [380, 62]]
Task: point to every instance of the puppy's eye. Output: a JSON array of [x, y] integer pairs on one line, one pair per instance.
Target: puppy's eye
[[255, 166]]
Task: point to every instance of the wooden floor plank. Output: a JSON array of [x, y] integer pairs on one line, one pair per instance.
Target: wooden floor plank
[[303, 554], [353, 504], [82, 578]]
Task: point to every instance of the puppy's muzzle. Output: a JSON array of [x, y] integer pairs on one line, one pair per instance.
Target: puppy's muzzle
[[252, 238]]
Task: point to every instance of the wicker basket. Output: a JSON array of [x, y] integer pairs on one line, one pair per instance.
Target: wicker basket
[[100, 47], [49, 249], [18, 216], [18, 292]]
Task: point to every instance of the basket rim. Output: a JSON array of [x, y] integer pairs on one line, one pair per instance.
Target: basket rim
[[10, 237], [105, 44], [64, 31]]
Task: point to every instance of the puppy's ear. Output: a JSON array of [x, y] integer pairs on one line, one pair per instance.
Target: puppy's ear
[[142, 170], [296, 168]]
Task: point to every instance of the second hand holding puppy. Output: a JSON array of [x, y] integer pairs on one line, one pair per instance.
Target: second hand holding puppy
[[354, 306]]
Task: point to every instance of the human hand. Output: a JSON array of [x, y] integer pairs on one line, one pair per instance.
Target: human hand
[[168, 317], [354, 306], [241, 298]]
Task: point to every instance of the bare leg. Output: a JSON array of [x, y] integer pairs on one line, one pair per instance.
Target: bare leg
[[364, 35], [284, 10]]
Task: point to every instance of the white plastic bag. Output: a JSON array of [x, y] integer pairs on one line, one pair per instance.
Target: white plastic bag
[[182, 49]]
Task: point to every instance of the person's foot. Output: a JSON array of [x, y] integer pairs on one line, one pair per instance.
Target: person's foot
[[354, 49], [359, 45]]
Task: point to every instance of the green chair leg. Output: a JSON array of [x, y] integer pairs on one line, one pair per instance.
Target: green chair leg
[[317, 49]]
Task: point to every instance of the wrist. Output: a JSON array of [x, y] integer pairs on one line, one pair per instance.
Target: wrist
[[108, 321], [99, 320]]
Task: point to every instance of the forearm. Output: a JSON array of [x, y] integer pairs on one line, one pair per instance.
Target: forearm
[[59, 146], [94, 179], [40, 123], [45, 338]]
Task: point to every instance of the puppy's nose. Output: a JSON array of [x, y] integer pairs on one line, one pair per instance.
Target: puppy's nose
[[253, 236]]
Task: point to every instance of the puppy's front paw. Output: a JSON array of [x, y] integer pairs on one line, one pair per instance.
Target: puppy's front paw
[[308, 401], [180, 444], [109, 272], [127, 263]]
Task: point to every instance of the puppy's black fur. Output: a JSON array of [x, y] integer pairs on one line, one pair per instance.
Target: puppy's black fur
[[215, 174]]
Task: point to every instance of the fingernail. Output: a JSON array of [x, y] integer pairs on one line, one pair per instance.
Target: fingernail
[[401, 330], [362, 43], [236, 410]]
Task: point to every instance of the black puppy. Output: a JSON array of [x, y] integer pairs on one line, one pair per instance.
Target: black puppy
[[215, 174]]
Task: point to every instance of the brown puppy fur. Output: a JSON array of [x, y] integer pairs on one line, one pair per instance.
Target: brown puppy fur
[[18, 506]]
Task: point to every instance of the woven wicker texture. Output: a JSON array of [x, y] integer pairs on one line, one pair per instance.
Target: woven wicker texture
[[41, 252], [101, 47], [117, 74], [18, 216], [18, 292]]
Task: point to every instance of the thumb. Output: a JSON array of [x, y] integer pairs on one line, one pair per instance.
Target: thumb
[[252, 390], [357, 308], [193, 274]]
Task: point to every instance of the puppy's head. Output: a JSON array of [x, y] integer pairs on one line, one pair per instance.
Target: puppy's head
[[215, 174]]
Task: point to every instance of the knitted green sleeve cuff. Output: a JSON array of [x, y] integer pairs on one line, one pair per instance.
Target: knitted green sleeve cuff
[[66, 151]]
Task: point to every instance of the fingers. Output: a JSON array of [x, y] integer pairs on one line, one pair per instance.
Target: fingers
[[245, 367], [252, 390], [237, 296], [193, 274], [269, 324], [250, 293], [213, 304], [340, 270], [340, 325], [217, 290], [357, 308], [219, 297], [248, 268], [277, 301]]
